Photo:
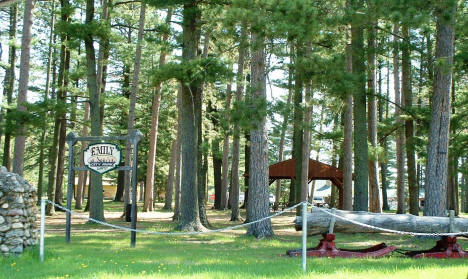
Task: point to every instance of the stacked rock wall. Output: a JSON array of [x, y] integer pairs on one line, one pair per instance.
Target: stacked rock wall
[[17, 213]]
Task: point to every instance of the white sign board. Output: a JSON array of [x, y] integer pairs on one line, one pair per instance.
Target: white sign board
[[102, 157]]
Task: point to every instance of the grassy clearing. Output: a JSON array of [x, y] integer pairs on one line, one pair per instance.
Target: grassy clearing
[[96, 252]]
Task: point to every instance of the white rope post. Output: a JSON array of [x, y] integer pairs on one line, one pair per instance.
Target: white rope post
[[304, 235], [41, 244], [452, 221], [331, 227]]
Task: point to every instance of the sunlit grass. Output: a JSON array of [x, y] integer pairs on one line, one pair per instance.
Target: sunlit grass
[[107, 254]]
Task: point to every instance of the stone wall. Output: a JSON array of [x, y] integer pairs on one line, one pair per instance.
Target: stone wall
[[18, 213]]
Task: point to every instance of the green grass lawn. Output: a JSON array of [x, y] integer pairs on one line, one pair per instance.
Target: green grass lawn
[[98, 252]]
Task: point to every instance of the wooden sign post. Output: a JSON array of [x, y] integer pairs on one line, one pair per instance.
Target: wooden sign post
[[101, 157]]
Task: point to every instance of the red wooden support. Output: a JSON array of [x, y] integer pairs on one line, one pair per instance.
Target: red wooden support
[[327, 248], [446, 247]]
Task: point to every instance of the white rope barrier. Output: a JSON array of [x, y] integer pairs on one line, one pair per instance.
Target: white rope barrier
[[174, 233], [384, 229], [304, 221]]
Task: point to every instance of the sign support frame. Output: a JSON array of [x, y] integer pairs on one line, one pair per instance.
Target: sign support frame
[[134, 137]]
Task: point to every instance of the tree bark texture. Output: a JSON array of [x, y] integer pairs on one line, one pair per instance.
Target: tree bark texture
[[103, 56], [284, 127], [225, 167], [298, 122], [246, 170], [464, 185], [96, 209], [83, 175], [202, 156], [133, 97], [62, 102], [45, 115], [374, 193], [9, 85], [148, 204], [258, 205], [235, 214], [400, 140], [20, 139], [170, 180], [348, 140], [178, 160], [62, 117], [383, 105], [119, 195], [406, 85], [189, 212], [359, 111], [306, 143], [437, 150]]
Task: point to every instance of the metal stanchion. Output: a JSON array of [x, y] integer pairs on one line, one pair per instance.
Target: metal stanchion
[[304, 235], [41, 244]]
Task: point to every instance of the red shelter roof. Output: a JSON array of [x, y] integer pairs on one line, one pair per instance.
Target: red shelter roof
[[317, 171]]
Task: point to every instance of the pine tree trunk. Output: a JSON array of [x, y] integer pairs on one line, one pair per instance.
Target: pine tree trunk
[[9, 84], [374, 193], [437, 150], [177, 185], [383, 108], [284, 127], [215, 153], [119, 194], [53, 151], [18, 163], [298, 127], [103, 55], [452, 186], [149, 203], [385, 145], [317, 156], [225, 167], [95, 199], [413, 188], [203, 188], [202, 168], [170, 180], [52, 158], [61, 100], [306, 143], [292, 54], [258, 205], [464, 185], [400, 140], [83, 175], [178, 160], [334, 199], [348, 140], [45, 115], [133, 97], [189, 212], [246, 170], [359, 111], [235, 214]]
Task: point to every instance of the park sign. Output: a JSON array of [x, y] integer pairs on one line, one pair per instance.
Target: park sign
[[102, 157]]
